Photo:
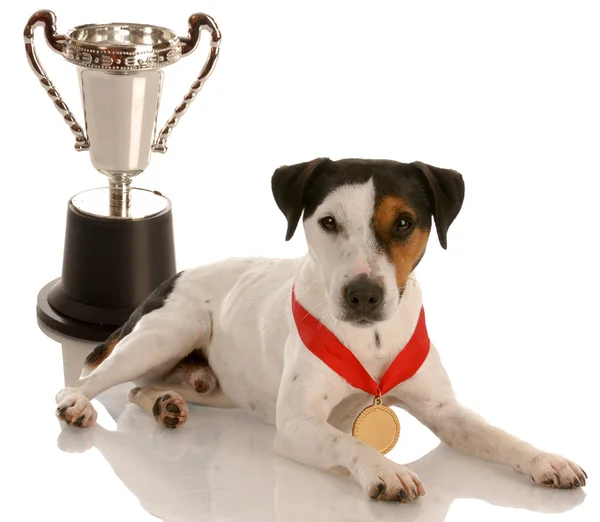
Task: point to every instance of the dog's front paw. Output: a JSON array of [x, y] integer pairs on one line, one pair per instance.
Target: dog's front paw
[[75, 409], [394, 482], [554, 471]]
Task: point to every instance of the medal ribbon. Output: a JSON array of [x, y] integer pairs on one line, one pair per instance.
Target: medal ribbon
[[327, 347]]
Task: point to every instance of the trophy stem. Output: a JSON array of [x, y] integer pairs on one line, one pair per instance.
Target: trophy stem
[[119, 194]]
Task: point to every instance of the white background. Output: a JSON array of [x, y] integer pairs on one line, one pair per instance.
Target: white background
[[506, 92]]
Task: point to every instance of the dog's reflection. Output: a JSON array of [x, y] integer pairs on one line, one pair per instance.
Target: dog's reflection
[[221, 466]]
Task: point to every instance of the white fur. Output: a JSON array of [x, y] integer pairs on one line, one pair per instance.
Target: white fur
[[240, 311], [338, 259]]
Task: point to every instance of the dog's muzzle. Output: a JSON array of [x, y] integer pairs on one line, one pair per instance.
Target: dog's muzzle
[[363, 300]]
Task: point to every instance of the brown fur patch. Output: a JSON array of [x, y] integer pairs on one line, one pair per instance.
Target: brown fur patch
[[102, 351], [404, 254], [194, 372]]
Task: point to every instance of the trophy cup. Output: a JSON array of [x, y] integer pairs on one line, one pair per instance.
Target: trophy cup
[[119, 240]]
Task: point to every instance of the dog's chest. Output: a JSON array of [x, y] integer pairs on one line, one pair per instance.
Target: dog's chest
[[375, 349]]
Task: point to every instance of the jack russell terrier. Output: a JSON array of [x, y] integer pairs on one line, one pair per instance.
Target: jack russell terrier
[[232, 334]]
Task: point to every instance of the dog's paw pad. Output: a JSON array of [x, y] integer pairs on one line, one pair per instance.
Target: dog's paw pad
[[170, 410], [554, 471], [76, 410], [396, 484]]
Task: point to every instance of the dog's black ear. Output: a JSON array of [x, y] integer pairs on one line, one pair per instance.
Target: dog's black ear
[[448, 193], [289, 190]]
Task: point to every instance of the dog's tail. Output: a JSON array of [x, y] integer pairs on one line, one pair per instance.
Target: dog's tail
[[154, 301], [99, 354]]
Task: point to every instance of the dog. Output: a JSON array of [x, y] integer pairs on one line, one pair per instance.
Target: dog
[[223, 335]]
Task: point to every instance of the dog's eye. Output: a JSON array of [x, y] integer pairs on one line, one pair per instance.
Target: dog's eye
[[402, 227], [328, 223]]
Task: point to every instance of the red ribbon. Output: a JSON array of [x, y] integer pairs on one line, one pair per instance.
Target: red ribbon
[[327, 347]]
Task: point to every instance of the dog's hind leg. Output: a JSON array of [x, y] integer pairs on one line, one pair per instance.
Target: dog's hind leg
[[192, 379], [168, 403], [158, 341], [166, 406]]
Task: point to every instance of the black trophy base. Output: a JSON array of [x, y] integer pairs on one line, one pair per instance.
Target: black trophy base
[[111, 264], [65, 325]]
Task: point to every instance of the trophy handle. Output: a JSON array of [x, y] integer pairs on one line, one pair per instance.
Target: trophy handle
[[47, 19], [196, 23]]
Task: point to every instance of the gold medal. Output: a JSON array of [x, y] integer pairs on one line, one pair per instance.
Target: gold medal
[[378, 426]]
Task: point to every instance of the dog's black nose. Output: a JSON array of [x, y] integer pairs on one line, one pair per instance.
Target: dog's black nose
[[364, 295]]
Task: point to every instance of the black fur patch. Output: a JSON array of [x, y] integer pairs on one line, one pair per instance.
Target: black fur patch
[[430, 191], [154, 301], [194, 358]]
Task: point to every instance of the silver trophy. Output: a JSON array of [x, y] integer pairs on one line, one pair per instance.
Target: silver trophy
[[119, 239]]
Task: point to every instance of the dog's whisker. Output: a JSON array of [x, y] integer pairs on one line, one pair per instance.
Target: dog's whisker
[[312, 283]]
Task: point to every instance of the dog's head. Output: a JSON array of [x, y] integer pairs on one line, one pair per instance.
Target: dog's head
[[367, 223]]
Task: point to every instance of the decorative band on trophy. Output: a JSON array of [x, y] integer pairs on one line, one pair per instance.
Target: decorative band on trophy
[[116, 60]]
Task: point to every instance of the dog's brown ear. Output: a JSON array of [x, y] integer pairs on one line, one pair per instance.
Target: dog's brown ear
[[288, 184], [448, 193]]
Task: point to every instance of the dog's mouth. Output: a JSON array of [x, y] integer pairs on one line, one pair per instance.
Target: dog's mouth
[[364, 323]]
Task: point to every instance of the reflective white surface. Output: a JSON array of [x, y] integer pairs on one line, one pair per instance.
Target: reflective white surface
[[220, 466]]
